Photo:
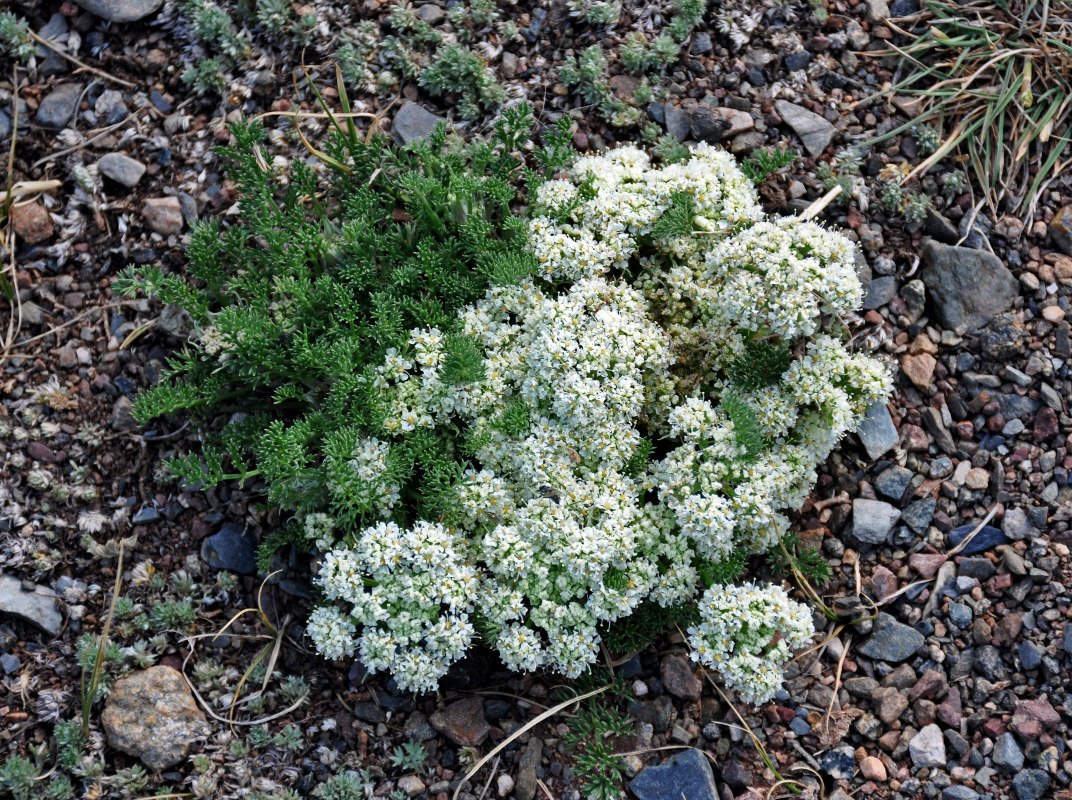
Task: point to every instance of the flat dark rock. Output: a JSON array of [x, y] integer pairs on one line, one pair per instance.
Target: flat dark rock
[[967, 287], [687, 774], [891, 640]]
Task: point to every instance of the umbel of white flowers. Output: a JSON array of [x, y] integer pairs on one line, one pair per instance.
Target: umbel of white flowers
[[653, 283]]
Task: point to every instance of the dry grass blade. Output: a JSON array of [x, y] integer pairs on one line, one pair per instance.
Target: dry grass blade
[[80, 64], [999, 77], [89, 693]]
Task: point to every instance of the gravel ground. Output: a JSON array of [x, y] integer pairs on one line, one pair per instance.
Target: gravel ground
[[950, 511]]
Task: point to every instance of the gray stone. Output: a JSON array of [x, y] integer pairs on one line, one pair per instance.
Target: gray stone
[[940, 227], [686, 774], [431, 13], [678, 123], [988, 537], [1014, 406], [1066, 638], [32, 314], [145, 516], [123, 415], [974, 231], [893, 482], [122, 169], [872, 520], [701, 44], [417, 727], [49, 61], [891, 640], [1007, 753], [1015, 524], [877, 432], [736, 775], [968, 287], [29, 603], [915, 296], [1031, 784], [960, 615], [877, 10], [797, 61], [815, 132], [881, 291], [657, 712], [707, 125], [121, 10], [525, 787], [152, 716], [412, 123], [1030, 655], [927, 748], [800, 726], [55, 27], [959, 793], [679, 679], [979, 568], [9, 663], [110, 108], [230, 549], [57, 109]]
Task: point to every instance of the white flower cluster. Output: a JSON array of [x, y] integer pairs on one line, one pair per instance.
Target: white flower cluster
[[747, 633], [562, 525], [411, 592]]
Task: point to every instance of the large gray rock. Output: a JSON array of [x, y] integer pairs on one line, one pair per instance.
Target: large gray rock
[[412, 123], [121, 10], [121, 168], [152, 715], [872, 520], [57, 109], [891, 640], [927, 747], [36, 606], [678, 122], [1007, 753], [877, 432], [967, 287], [814, 131], [686, 774], [230, 549]]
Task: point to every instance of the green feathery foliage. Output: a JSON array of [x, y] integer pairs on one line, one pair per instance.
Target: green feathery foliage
[[762, 364], [807, 561], [403, 239], [766, 161], [455, 69], [677, 219], [746, 427]]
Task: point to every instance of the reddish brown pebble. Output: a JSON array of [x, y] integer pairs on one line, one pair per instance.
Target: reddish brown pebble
[[873, 769], [919, 369], [32, 222]]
